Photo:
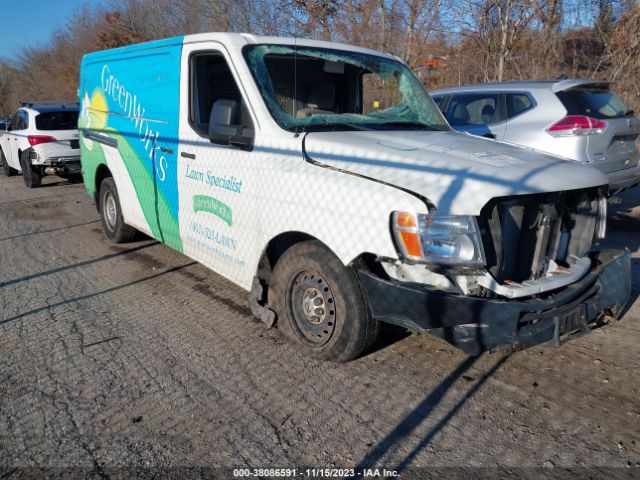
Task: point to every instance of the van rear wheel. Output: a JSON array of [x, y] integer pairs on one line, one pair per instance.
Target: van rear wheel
[[320, 305], [111, 213]]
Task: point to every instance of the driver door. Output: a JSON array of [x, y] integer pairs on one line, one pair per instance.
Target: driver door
[[217, 183]]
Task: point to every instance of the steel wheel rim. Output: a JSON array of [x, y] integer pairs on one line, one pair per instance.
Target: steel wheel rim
[[110, 211], [313, 309]]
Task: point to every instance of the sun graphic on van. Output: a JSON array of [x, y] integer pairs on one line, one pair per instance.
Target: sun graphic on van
[[97, 111]]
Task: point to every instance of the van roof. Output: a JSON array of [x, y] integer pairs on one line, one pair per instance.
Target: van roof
[[239, 39]]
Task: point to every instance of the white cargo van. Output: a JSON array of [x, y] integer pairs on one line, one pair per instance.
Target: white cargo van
[[322, 179]]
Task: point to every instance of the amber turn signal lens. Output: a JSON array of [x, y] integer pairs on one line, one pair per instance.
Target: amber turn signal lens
[[411, 241], [404, 219]]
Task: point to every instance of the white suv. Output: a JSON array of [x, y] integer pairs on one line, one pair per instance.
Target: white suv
[[42, 139]]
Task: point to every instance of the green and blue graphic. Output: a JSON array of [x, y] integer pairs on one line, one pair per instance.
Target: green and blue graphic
[[132, 95]]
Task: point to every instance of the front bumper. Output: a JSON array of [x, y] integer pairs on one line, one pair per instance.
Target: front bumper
[[476, 324]]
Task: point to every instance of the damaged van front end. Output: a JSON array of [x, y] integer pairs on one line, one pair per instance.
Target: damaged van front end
[[487, 244], [493, 260], [535, 279]]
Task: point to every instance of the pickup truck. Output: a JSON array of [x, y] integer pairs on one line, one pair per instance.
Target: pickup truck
[[322, 179]]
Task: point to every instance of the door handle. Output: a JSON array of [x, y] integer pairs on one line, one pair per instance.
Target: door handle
[[490, 135], [191, 156]]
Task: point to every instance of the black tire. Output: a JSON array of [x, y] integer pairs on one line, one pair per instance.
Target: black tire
[[339, 326], [31, 175], [111, 213], [6, 169]]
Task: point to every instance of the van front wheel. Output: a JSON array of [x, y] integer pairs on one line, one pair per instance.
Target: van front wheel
[[111, 213], [320, 305]]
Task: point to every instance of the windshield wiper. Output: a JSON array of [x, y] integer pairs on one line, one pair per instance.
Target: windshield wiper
[[410, 124], [354, 126]]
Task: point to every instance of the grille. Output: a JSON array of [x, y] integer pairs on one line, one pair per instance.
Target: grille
[[522, 234]]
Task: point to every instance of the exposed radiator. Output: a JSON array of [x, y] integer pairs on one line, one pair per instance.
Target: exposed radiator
[[522, 234]]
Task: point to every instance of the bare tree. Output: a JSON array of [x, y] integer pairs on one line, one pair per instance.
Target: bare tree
[[420, 17], [473, 40], [316, 17], [7, 101]]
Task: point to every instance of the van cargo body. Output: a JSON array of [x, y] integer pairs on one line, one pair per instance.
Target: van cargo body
[[322, 179]]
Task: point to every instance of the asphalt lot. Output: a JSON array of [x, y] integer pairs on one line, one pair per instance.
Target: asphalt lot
[[127, 356]]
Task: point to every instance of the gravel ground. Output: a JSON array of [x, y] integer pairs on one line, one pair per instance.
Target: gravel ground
[[134, 358]]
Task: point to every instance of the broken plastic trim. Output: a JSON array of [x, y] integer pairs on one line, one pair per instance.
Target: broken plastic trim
[[416, 105], [556, 277]]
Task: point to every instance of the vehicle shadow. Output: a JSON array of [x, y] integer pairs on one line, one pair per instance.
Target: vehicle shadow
[[51, 230], [59, 183], [623, 231], [635, 287], [75, 265], [426, 407], [423, 411], [426, 440], [389, 335], [94, 294]]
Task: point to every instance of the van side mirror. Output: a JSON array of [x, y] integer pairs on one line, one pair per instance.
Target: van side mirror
[[223, 126]]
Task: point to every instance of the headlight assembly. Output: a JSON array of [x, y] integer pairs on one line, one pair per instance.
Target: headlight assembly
[[444, 240]]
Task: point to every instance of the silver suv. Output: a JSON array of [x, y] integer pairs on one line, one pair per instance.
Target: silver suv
[[580, 120]]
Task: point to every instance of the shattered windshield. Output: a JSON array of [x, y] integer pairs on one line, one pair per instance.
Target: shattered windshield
[[308, 88]]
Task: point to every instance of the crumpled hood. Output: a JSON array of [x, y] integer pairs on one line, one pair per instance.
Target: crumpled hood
[[458, 173]]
